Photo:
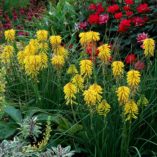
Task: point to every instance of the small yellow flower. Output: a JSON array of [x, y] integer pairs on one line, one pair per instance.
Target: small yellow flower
[[70, 91], [72, 69], [130, 110], [55, 40], [58, 61], [123, 94], [7, 54], [9, 35], [103, 108], [42, 35], [149, 47], [86, 67], [117, 69], [133, 78], [78, 81], [104, 53]]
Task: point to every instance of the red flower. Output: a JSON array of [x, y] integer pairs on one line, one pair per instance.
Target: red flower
[[92, 7], [126, 7], [103, 19], [129, 13], [83, 25], [124, 25], [100, 8], [118, 15], [113, 8], [130, 58], [129, 2], [139, 65], [93, 19], [138, 21], [143, 8]]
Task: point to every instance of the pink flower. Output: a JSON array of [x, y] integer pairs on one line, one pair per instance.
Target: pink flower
[[139, 65], [138, 21], [83, 25], [103, 18], [141, 37]]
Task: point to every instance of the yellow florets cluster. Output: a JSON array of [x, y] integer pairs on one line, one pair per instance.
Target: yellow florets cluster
[[60, 54], [149, 47], [87, 37], [9, 35], [33, 58], [86, 68], [117, 69], [104, 53]]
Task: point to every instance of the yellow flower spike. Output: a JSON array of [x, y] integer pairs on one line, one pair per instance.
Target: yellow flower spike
[[83, 38], [87, 37], [92, 95], [43, 47], [133, 78], [78, 81], [9, 35], [7, 54], [123, 94], [86, 68], [103, 108], [42, 35], [58, 61], [149, 47], [70, 91], [130, 110], [93, 36], [21, 56], [33, 64], [104, 53], [60, 50], [72, 70], [117, 69], [55, 40]]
